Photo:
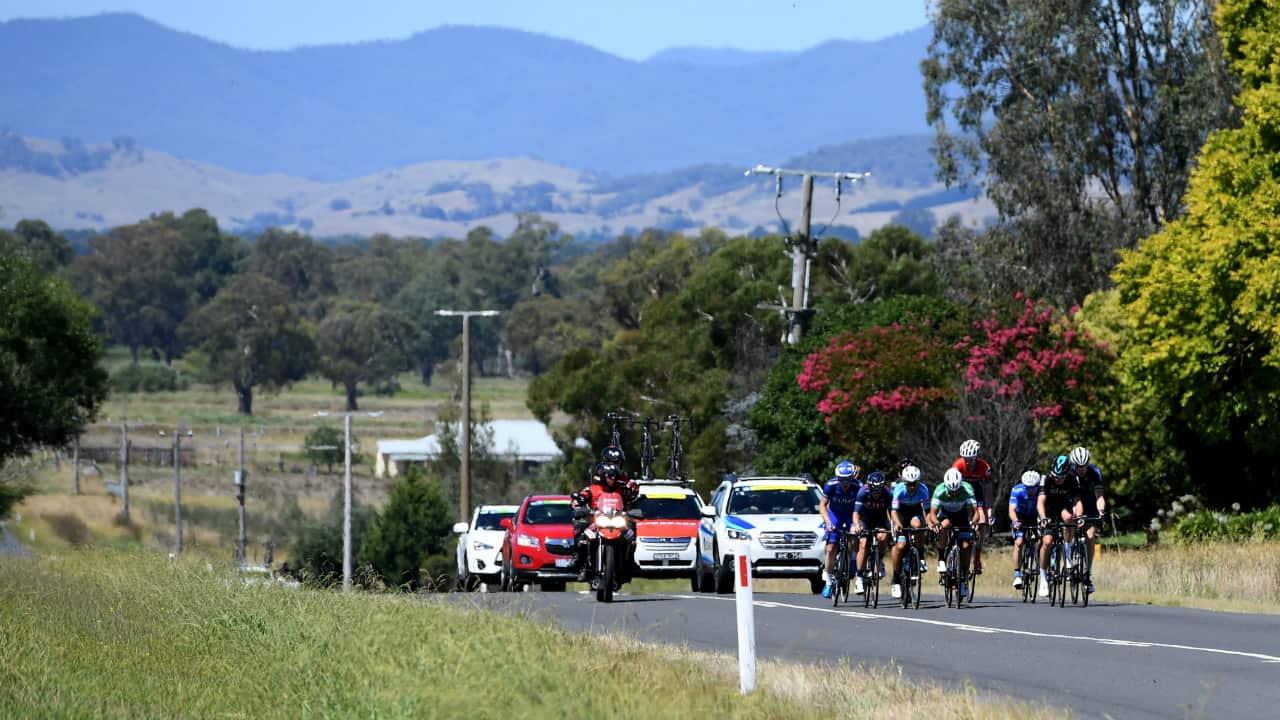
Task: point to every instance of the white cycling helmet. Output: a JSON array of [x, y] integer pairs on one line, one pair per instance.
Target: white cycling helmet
[[969, 449], [1080, 456], [1031, 478], [952, 479], [910, 474]]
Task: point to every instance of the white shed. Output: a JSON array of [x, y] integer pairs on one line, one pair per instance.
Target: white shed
[[519, 441]]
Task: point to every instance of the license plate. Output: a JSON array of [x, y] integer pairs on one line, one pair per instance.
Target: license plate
[[787, 555], [564, 562], [666, 556]]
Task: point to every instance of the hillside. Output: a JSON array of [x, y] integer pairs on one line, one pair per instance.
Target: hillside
[[454, 93], [73, 185]]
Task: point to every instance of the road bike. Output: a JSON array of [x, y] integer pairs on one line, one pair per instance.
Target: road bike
[[1078, 565], [675, 456], [872, 572], [956, 574], [843, 561], [648, 449], [1029, 563], [911, 571], [1056, 569]]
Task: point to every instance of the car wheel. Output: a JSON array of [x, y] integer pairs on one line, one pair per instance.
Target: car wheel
[[723, 575], [816, 584]]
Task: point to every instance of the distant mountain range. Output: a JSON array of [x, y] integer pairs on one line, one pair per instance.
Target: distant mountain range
[[456, 93], [71, 184]]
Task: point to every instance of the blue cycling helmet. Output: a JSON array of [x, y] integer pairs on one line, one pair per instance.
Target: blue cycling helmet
[[1060, 464], [876, 479], [847, 471]]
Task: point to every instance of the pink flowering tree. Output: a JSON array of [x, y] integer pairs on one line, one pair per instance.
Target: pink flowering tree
[[872, 384], [920, 389]]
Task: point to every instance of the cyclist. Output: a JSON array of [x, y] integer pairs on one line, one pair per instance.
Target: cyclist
[[903, 464], [953, 506], [907, 508], [839, 496], [1022, 511], [977, 472], [871, 512], [1093, 502], [1059, 498]]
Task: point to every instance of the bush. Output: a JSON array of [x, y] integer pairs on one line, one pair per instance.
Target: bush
[[148, 378], [1202, 525], [414, 525]]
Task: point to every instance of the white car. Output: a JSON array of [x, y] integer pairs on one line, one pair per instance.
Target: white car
[[667, 535], [778, 516], [480, 546]]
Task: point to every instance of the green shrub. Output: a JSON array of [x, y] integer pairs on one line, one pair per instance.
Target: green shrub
[[1230, 525], [413, 526], [147, 378]]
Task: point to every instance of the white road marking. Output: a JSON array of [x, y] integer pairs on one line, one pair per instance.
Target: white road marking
[[1268, 659]]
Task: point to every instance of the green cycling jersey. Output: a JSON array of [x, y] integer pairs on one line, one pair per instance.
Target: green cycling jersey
[[953, 502]]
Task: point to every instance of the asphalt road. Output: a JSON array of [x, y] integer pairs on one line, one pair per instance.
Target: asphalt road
[[1107, 660]]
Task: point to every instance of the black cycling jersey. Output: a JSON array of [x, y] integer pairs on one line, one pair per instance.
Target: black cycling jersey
[[1059, 497]]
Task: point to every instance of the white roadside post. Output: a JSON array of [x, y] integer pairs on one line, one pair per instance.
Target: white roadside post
[[746, 619]]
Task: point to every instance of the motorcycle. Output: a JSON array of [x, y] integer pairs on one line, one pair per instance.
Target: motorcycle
[[610, 536]]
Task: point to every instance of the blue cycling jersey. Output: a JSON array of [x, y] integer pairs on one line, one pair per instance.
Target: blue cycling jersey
[[1023, 500], [840, 502], [909, 500]]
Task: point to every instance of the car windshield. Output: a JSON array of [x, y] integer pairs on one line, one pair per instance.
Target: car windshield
[[773, 501], [492, 520], [548, 512], [677, 507]]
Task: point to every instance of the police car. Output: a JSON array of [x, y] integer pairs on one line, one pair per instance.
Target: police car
[[667, 536], [778, 516]]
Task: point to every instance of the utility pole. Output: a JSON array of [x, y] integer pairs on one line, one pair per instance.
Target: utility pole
[[802, 247], [346, 492], [464, 474], [240, 486], [177, 491], [124, 471]]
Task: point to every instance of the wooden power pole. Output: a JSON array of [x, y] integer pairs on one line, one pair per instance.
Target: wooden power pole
[[464, 473]]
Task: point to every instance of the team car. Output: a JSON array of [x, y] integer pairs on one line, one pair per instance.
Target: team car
[[667, 537], [538, 547], [778, 516], [480, 546]]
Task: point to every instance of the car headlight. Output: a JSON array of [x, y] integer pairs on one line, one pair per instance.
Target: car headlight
[[477, 545], [528, 541], [737, 534]]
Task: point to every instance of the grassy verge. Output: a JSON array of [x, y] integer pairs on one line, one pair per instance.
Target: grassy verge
[[1240, 577], [109, 634]]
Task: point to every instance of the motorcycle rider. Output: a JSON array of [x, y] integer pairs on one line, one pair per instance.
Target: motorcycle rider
[[607, 477]]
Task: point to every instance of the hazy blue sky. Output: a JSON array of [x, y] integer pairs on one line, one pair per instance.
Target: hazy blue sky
[[630, 28]]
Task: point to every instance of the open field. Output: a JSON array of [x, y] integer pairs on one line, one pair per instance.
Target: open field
[[115, 634]]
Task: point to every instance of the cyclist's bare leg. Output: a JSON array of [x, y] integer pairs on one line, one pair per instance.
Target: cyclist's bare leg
[[831, 559], [862, 551], [979, 523], [944, 534], [1088, 560], [1017, 553]]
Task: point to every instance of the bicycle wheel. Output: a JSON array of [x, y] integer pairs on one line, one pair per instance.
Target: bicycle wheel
[[1077, 572], [839, 566], [1054, 571], [1064, 573], [905, 573], [918, 575], [972, 570], [953, 574], [874, 561], [1029, 572]]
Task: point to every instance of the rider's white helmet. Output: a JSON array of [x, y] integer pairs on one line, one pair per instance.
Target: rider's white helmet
[[911, 474], [969, 449], [1031, 478], [952, 479], [1080, 456]]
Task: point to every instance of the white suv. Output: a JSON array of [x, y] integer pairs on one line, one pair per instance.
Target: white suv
[[778, 516], [480, 546]]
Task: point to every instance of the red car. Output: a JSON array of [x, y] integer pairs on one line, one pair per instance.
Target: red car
[[538, 547]]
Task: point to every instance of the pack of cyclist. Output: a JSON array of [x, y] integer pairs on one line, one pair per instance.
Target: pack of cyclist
[[1072, 492]]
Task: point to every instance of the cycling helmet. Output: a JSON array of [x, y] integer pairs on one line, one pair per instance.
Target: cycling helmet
[[1059, 466], [847, 471], [911, 474], [969, 449], [613, 454], [1031, 478], [952, 480], [876, 479], [903, 463], [1080, 456]]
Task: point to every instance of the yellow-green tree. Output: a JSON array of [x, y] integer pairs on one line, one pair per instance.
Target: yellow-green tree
[[1202, 297]]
